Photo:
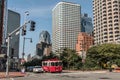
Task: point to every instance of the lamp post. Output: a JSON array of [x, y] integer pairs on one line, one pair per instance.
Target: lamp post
[[25, 17], [83, 53], [24, 45]]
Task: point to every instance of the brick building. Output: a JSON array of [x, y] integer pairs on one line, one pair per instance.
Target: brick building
[[84, 41]]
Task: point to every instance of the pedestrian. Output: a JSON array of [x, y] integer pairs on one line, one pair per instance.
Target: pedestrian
[[23, 70]]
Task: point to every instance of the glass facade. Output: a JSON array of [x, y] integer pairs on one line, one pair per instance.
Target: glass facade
[[86, 24], [45, 37]]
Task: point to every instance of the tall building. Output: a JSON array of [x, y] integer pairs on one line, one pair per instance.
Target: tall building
[[106, 14], [45, 37], [66, 25], [44, 45], [3, 9], [86, 24], [12, 24]]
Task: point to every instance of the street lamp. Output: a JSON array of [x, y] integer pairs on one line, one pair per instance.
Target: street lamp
[[24, 45], [25, 15], [83, 56]]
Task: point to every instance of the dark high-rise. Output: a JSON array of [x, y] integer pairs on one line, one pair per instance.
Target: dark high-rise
[[44, 45], [2, 20], [86, 24]]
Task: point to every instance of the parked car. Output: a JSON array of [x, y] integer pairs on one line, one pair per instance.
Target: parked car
[[30, 68], [37, 69]]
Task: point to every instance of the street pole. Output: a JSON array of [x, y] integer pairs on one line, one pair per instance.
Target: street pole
[[83, 53], [23, 48], [25, 17], [7, 67], [23, 54]]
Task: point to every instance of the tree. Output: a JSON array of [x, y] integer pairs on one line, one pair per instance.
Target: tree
[[70, 59], [104, 53], [34, 62]]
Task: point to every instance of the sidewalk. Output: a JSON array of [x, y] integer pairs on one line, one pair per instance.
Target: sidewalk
[[12, 74]]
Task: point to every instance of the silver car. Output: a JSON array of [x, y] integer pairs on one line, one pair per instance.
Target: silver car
[[37, 69]]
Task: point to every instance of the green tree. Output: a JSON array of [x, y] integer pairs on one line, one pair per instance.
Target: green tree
[[70, 59], [101, 54], [34, 62]]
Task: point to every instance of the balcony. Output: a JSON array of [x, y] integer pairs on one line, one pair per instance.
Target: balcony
[[105, 33], [110, 29], [109, 3], [115, 2], [109, 7], [115, 9], [110, 17], [115, 16], [115, 5], [116, 31], [110, 33], [116, 27], [116, 24], [109, 14], [109, 10], [116, 20], [115, 12], [111, 36], [110, 21], [104, 8]]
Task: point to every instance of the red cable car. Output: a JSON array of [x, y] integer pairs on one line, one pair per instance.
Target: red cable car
[[52, 65]]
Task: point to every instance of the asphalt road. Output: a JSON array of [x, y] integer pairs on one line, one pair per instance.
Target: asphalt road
[[77, 75]]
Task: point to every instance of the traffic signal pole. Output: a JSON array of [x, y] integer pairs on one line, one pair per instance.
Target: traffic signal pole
[[23, 48], [8, 57], [8, 47]]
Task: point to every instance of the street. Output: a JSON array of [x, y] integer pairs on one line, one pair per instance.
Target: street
[[77, 75]]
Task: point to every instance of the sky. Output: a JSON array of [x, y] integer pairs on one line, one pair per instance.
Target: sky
[[40, 11]]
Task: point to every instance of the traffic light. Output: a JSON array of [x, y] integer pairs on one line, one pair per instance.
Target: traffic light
[[32, 25], [24, 30]]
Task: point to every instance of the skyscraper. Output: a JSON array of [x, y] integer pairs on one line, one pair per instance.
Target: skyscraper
[[3, 9], [45, 37], [12, 24], [44, 45], [86, 24], [66, 25], [106, 14]]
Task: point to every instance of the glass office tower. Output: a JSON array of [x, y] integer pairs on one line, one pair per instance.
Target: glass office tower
[[86, 24]]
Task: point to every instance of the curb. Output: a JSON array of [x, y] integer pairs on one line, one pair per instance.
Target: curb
[[12, 75]]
